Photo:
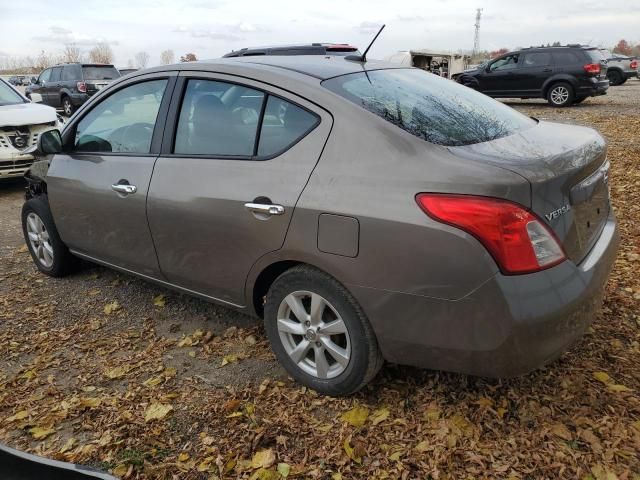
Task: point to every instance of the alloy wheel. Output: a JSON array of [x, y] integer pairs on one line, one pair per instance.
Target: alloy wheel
[[39, 240], [68, 108], [559, 95], [313, 334]]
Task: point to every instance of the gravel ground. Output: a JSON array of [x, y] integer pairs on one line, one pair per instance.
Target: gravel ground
[[108, 370]]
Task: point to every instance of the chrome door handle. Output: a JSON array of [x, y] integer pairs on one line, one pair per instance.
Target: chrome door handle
[[124, 189], [264, 208]]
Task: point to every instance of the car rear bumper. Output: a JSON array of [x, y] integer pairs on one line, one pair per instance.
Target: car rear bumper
[[593, 87], [508, 326]]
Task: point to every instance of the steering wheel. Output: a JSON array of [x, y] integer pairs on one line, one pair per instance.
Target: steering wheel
[[133, 138]]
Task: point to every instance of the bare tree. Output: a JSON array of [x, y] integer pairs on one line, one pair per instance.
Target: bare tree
[[189, 57], [101, 53], [130, 64], [71, 53], [142, 59], [167, 57], [44, 60]]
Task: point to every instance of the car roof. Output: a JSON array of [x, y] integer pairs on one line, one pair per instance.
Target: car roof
[[317, 66], [316, 48]]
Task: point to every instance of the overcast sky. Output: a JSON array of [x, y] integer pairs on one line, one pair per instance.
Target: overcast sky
[[211, 28]]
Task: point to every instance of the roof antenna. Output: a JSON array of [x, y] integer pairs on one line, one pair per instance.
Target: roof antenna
[[363, 58]]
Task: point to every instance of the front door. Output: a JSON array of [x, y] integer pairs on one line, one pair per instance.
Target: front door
[[39, 90], [500, 79], [98, 187], [225, 187]]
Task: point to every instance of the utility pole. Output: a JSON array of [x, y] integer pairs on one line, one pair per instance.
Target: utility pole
[[476, 38]]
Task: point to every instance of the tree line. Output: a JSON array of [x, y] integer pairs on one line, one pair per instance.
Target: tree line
[[100, 53]]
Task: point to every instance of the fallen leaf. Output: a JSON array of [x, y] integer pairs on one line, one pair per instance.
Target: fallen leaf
[[284, 469], [109, 308], [357, 416], [601, 472], [227, 359], [423, 446], [432, 413], [117, 372], [153, 381], [90, 402], [183, 457], [157, 411], [69, 444], [379, 415], [615, 387], [21, 415], [561, 431], [159, 301], [602, 377], [263, 459], [41, 433], [350, 451]]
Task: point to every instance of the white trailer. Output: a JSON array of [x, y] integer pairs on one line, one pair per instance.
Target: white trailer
[[445, 64]]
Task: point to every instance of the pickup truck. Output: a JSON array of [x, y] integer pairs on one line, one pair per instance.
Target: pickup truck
[[620, 67]]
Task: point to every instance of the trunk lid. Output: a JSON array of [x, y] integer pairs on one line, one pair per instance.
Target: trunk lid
[[567, 169]]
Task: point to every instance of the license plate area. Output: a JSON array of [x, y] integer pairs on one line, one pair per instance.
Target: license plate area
[[590, 204]]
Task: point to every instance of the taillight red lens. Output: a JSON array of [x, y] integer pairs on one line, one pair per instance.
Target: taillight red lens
[[592, 68], [82, 87], [517, 239], [634, 64]]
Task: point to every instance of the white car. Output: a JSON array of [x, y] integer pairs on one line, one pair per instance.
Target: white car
[[21, 122]]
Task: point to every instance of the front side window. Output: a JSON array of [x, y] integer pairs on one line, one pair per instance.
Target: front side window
[[539, 59], [505, 63], [44, 76], [430, 107], [123, 122], [218, 119], [283, 125]]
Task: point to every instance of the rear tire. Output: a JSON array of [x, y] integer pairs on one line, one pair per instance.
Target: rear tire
[[560, 95], [306, 347], [49, 253], [615, 77], [67, 106]]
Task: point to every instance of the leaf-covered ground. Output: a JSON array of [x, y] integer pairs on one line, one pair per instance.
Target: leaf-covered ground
[[109, 371]]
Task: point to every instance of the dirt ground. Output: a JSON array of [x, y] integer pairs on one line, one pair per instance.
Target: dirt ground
[[107, 370]]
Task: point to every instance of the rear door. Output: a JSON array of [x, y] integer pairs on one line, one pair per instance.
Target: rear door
[[98, 187], [535, 68], [236, 157]]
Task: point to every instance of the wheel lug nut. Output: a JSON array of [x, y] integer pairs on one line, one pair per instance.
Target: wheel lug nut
[[318, 344], [307, 323]]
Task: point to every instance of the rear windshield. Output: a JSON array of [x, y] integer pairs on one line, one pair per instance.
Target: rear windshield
[[100, 73], [595, 55], [435, 109]]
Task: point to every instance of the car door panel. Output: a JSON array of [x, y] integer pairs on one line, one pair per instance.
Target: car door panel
[[534, 69], [52, 90], [206, 238], [93, 218]]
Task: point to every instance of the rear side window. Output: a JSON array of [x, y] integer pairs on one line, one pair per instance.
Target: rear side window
[[430, 107], [99, 73], [566, 57], [218, 119], [283, 125], [538, 59], [123, 122]]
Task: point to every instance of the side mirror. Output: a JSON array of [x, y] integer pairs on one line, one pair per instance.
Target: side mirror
[[34, 80], [49, 142]]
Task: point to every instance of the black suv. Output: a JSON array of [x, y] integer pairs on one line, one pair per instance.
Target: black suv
[[69, 85], [562, 75], [341, 49]]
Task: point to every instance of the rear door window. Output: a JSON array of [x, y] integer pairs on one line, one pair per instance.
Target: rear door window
[[283, 125], [566, 57], [123, 122], [537, 59], [430, 107], [55, 74], [218, 119]]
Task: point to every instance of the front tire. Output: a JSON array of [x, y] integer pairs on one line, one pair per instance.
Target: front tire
[[560, 95], [49, 253], [319, 333]]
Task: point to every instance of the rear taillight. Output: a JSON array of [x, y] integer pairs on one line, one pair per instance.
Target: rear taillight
[[634, 65], [82, 87], [517, 239], [592, 68]]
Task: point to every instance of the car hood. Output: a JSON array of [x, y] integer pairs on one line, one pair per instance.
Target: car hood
[[26, 114]]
